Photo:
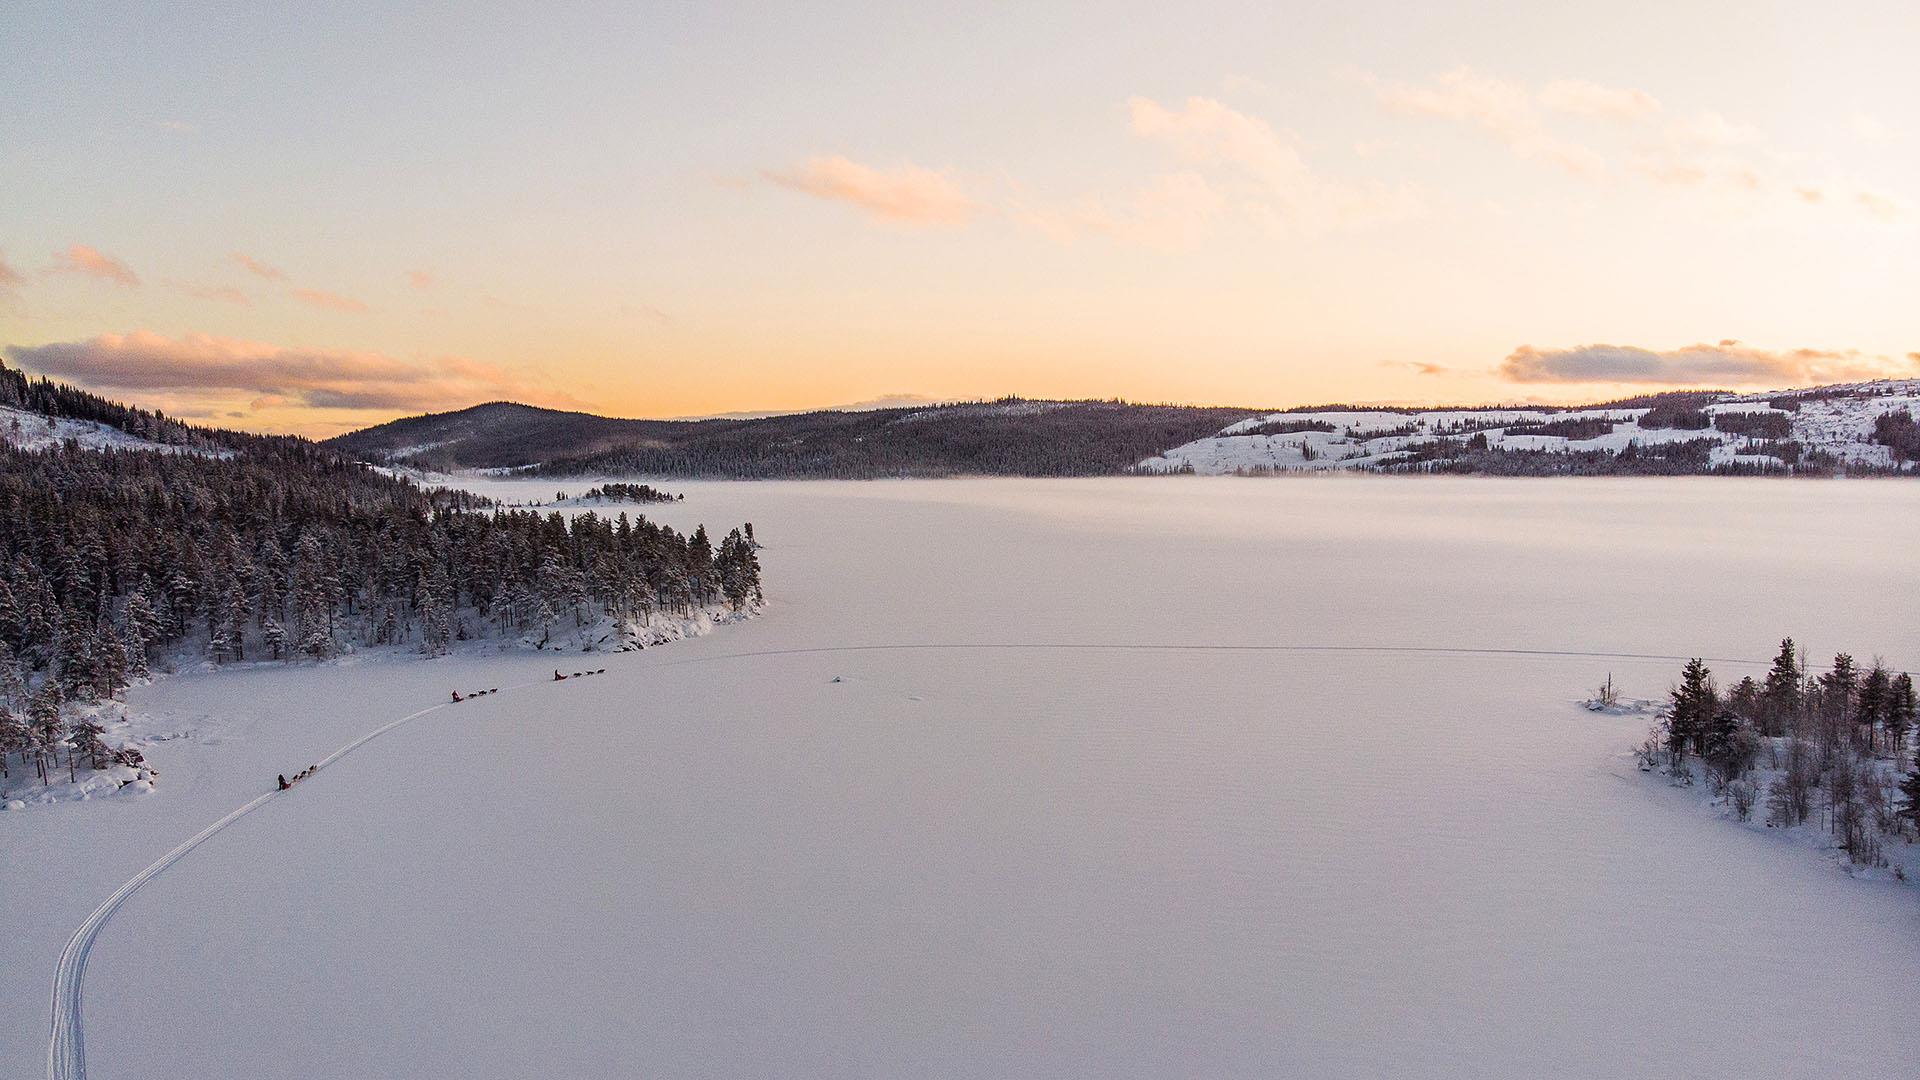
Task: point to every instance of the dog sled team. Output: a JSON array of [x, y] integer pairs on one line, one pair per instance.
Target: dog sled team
[[286, 783]]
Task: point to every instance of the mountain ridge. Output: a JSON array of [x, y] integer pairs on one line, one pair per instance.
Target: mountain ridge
[[1805, 430]]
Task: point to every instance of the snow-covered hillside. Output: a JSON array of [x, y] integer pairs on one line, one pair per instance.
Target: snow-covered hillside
[[1826, 425], [32, 431]]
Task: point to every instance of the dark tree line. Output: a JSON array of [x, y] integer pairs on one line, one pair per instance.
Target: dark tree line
[[113, 561], [1835, 742]]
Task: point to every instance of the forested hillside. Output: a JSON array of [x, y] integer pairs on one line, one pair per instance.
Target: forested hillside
[[1857, 428], [1004, 438], [249, 548], [1852, 429]]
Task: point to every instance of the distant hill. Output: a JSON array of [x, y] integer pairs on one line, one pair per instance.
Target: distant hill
[[1011, 437], [1863, 427]]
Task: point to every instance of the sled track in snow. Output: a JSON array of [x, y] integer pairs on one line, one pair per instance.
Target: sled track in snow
[[66, 1048]]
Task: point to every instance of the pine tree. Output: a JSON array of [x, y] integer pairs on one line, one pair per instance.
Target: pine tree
[[143, 626], [1910, 787], [9, 613], [109, 661], [1694, 705], [83, 740], [1900, 712], [13, 687], [1870, 705], [1839, 685], [1782, 689], [43, 716], [274, 635], [13, 737]]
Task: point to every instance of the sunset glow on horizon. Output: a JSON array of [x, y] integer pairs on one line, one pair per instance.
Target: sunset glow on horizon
[[281, 219]]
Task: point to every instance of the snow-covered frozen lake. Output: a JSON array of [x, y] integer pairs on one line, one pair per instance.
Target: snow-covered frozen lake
[[1010, 782]]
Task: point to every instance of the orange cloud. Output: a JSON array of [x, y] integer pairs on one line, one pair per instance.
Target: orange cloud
[[92, 262], [257, 268], [321, 298], [420, 279], [907, 194], [261, 373]]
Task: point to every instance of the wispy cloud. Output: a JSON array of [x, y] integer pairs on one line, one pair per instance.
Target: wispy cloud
[[92, 262], [1724, 363], [264, 374], [421, 279], [257, 268], [1232, 163], [1276, 185], [10, 279], [904, 194], [327, 301], [1701, 149], [1511, 113]]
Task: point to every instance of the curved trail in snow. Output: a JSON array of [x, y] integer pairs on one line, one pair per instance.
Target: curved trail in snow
[[66, 1046], [66, 1049]]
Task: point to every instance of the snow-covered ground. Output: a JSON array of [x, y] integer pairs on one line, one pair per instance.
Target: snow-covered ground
[[1841, 424], [1027, 778]]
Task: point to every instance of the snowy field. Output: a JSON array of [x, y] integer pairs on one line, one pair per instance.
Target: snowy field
[[1115, 778]]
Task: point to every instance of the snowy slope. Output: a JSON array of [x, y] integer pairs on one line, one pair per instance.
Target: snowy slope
[[32, 431], [1285, 803], [1834, 420]]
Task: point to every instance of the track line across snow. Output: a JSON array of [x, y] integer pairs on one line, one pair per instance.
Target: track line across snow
[[66, 1048]]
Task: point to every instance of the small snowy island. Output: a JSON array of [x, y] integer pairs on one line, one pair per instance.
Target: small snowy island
[[1823, 758]]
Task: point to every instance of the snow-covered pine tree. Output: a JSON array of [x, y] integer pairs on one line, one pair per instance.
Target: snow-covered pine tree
[[143, 627], [13, 686], [83, 740], [43, 716], [109, 660], [14, 737], [9, 612], [274, 635]]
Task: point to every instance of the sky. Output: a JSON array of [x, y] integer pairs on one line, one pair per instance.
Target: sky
[[312, 217]]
